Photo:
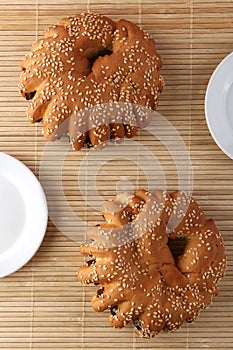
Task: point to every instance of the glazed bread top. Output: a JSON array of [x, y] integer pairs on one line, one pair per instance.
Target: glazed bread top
[[139, 278], [89, 60]]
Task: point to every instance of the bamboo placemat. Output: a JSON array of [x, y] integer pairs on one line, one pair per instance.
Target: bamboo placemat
[[42, 306]]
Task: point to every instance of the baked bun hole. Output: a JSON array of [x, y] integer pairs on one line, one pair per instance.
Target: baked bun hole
[[177, 246], [91, 262], [137, 324], [94, 53], [114, 310], [87, 142], [30, 95]]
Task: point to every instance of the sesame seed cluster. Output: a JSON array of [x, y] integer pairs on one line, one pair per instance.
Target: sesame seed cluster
[[139, 279], [90, 60]]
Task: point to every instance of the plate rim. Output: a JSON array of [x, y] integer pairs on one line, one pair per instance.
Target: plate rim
[[13, 257], [216, 71]]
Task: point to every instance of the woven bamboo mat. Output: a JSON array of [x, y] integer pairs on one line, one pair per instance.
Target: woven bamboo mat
[[42, 306]]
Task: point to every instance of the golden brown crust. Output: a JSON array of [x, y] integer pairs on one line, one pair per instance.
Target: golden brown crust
[[65, 73], [139, 277]]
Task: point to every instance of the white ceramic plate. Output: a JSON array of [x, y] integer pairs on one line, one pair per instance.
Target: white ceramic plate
[[23, 214], [219, 105]]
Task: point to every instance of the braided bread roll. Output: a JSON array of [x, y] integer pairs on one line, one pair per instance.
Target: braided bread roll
[[86, 61], [139, 278]]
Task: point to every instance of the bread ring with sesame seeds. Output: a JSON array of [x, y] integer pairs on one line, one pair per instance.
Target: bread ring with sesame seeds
[[140, 279], [90, 60]]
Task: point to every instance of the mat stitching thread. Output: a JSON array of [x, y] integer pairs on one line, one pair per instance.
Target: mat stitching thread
[[36, 126], [134, 342], [190, 117], [191, 83], [36, 171]]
